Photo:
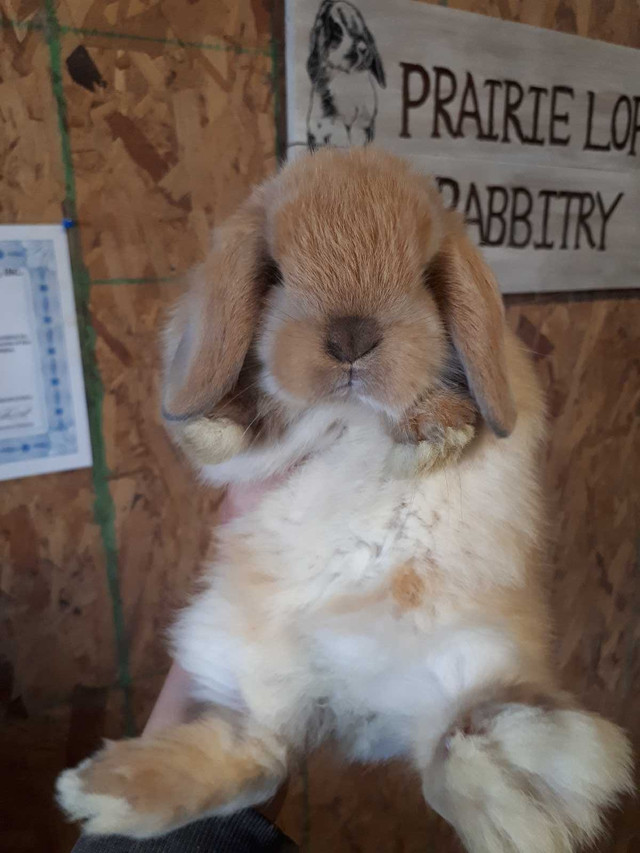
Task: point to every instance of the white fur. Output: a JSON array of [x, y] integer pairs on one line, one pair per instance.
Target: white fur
[[306, 436], [385, 664], [101, 813], [210, 441], [532, 780]]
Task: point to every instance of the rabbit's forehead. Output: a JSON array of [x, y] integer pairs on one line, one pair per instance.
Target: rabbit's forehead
[[354, 226], [360, 215]]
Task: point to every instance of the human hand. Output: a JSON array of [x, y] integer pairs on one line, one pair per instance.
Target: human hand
[[172, 704]]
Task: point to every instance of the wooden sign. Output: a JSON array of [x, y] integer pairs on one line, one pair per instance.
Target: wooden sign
[[534, 135]]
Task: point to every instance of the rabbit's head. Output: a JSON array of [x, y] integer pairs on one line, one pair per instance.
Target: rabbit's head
[[341, 279]]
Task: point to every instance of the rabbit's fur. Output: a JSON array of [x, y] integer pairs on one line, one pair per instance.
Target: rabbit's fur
[[388, 591]]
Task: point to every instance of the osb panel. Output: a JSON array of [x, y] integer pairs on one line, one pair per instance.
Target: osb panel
[[588, 356], [163, 517], [128, 320], [163, 150], [33, 751], [616, 21], [359, 809], [55, 627], [31, 185], [34, 748], [245, 23]]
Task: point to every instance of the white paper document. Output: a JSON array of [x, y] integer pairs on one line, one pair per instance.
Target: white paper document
[[43, 412]]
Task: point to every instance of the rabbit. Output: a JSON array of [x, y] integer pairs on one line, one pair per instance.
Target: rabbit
[[374, 596], [344, 67]]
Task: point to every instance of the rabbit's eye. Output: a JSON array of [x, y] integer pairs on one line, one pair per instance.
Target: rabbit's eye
[[427, 276], [271, 275]]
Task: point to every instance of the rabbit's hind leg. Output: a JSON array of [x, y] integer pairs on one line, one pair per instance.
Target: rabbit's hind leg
[[148, 786]]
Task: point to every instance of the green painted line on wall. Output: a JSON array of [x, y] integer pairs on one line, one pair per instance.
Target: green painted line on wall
[[104, 508], [64, 29]]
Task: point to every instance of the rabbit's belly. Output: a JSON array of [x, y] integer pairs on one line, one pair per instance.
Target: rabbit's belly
[[347, 590], [389, 674]]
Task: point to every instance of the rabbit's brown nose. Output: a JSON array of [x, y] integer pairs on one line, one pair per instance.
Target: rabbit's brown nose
[[350, 338]]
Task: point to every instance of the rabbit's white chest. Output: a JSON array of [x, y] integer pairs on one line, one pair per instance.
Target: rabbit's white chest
[[302, 608], [343, 523]]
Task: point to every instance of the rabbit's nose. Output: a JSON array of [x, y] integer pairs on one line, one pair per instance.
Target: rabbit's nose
[[351, 338]]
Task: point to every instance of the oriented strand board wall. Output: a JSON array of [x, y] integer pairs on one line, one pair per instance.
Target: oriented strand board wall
[[180, 122], [182, 126]]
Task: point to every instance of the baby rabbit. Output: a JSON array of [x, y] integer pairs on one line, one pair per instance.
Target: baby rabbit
[[337, 331]]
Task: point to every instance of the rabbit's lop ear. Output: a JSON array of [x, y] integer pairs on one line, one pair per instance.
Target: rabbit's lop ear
[[317, 38], [468, 296], [375, 63], [212, 328]]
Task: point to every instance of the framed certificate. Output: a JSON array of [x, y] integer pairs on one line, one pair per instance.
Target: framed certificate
[[43, 412]]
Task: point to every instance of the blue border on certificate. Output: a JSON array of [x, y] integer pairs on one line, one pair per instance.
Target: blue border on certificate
[[38, 258]]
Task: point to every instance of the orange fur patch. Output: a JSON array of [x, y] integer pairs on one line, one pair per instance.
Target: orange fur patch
[[299, 361], [407, 587], [469, 298], [182, 772], [435, 412], [352, 232], [214, 324]]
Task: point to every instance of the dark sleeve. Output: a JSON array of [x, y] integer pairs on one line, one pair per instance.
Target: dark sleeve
[[244, 832]]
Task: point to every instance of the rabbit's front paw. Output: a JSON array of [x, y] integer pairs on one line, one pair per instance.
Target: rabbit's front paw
[[439, 426], [210, 441], [443, 448]]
